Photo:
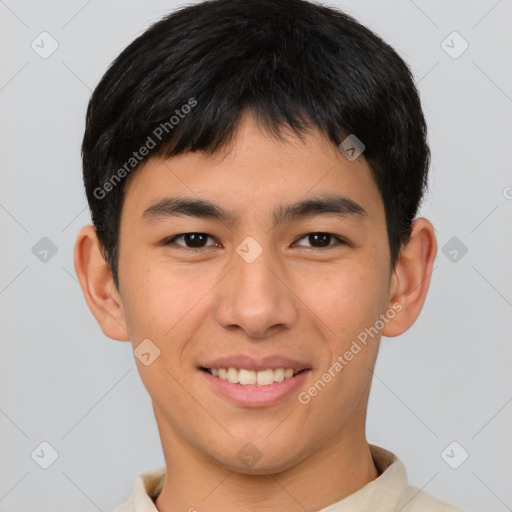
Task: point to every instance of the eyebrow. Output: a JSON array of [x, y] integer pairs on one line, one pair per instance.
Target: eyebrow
[[201, 208]]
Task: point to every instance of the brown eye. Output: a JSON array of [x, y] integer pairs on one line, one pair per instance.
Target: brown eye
[[321, 240], [192, 240]]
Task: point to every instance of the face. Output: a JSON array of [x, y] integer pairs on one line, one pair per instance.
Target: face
[[254, 284]]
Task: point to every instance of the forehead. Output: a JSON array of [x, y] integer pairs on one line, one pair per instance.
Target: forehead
[[257, 172]]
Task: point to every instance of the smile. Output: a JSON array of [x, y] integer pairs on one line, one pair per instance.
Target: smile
[[246, 377], [254, 388]]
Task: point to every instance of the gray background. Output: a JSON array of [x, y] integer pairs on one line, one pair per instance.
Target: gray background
[[448, 379]]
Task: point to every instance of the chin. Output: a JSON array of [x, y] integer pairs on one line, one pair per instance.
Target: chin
[[249, 460]]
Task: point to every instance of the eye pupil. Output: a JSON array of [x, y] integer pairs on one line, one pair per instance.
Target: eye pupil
[[324, 239], [194, 238]]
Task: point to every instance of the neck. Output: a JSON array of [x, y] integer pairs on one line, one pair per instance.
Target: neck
[[196, 482]]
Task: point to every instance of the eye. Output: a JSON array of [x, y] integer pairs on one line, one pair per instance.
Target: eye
[[192, 240], [318, 240], [322, 240]]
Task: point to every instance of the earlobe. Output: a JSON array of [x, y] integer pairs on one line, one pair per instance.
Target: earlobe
[[411, 277], [97, 285]]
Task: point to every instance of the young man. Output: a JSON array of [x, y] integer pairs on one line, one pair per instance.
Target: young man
[[253, 171]]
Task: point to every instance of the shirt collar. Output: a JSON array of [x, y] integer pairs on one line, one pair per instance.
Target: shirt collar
[[381, 494]]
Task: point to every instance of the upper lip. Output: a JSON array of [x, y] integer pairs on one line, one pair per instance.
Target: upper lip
[[255, 363]]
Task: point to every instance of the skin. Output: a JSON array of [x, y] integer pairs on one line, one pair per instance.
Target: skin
[[296, 299]]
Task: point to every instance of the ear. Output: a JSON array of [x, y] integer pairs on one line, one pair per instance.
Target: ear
[[411, 277], [97, 285]]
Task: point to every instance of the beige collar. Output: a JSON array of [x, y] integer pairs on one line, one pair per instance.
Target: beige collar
[[389, 492]]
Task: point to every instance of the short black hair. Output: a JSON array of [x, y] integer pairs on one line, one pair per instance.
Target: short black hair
[[183, 84]]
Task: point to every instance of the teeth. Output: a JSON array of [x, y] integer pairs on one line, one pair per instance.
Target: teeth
[[265, 377], [245, 377], [279, 375], [251, 377], [233, 375]]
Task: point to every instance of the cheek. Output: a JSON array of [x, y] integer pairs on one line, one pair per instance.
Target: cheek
[[154, 299], [165, 305], [344, 306], [346, 300]]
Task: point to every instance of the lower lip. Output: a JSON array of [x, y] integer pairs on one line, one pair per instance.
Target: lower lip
[[256, 396]]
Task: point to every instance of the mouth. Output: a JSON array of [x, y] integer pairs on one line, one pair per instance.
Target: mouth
[[255, 387], [254, 381], [247, 377]]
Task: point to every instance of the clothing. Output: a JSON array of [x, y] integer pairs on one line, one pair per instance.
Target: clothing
[[389, 492]]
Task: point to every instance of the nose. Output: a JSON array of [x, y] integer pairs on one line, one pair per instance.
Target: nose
[[256, 298]]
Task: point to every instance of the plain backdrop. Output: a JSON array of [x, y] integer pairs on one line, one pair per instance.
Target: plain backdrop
[[442, 391]]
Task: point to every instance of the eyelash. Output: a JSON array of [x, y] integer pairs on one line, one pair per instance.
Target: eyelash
[[340, 240]]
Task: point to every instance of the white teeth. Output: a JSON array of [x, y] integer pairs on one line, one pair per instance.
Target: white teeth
[[279, 375], [232, 375], [265, 377], [251, 377], [246, 377]]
